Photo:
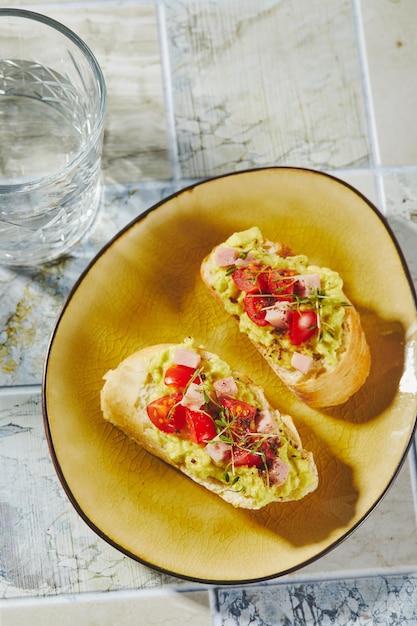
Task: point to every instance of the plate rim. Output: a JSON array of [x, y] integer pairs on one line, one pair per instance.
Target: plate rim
[[83, 275]]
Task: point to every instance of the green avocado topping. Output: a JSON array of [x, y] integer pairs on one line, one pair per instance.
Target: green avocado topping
[[251, 481], [328, 302]]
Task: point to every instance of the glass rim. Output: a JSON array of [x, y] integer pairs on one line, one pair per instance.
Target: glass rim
[[98, 74]]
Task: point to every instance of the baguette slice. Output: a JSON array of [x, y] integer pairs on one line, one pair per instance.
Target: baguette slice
[[138, 380], [331, 378]]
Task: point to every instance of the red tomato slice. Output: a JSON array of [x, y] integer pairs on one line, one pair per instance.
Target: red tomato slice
[[179, 376], [263, 280], [242, 414], [279, 285], [262, 454], [303, 326], [201, 428], [244, 457], [167, 414], [249, 278], [255, 304]]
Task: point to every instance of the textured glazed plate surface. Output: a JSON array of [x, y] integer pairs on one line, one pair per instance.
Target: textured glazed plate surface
[[144, 288]]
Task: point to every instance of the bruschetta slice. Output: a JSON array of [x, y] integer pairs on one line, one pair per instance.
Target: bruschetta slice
[[295, 313], [186, 406]]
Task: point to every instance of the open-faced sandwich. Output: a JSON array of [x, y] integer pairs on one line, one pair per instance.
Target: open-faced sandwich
[[186, 406], [296, 315]]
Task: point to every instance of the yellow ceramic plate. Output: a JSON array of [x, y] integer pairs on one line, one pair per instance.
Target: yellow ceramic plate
[[144, 288]]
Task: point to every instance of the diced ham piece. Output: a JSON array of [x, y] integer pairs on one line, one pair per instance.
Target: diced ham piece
[[193, 398], [308, 283], [278, 472], [218, 451], [265, 422], [279, 315], [182, 356], [224, 256], [301, 362], [225, 387]]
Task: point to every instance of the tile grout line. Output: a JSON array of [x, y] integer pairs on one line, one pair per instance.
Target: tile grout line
[[368, 102], [366, 83], [159, 6], [13, 390], [412, 459], [168, 91]]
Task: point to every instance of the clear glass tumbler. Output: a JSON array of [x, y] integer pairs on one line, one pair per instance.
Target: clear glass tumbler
[[52, 112]]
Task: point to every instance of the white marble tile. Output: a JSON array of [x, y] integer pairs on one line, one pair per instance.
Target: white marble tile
[[391, 45], [401, 193], [266, 83], [124, 39], [51, 550], [172, 608]]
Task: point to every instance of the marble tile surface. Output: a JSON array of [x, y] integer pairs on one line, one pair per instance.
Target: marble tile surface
[[400, 193], [159, 608], [124, 38], [391, 47], [243, 73], [390, 600], [50, 551]]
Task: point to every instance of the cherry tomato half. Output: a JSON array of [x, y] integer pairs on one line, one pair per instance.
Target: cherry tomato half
[[242, 415], [255, 304], [180, 375], [303, 326], [253, 454], [280, 284], [249, 278], [201, 428], [167, 414], [244, 457]]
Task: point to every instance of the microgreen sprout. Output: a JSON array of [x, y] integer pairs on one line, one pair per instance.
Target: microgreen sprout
[[230, 270], [230, 431], [226, 478], [316, 300]]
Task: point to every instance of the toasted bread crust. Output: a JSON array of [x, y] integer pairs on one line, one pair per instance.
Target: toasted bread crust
[[332, 386], [126, 409]]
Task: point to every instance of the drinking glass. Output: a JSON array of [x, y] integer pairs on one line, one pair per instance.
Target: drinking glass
[[52, 112]]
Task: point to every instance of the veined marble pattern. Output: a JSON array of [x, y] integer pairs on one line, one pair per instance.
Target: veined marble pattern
[[389, 600], [124, 39], [401, 194], [241, 85], [51, 550]]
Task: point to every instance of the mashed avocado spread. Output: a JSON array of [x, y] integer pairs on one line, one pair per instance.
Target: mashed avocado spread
[[193, 457], [330, 304]]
